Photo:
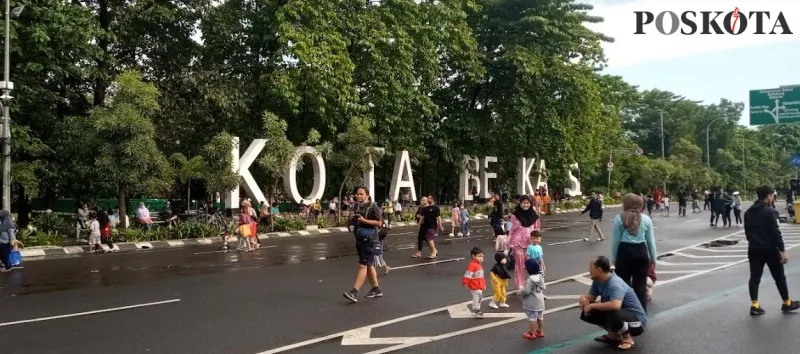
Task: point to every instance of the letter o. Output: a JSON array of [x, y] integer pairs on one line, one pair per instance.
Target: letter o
[[673, 18], [290, 175], [728, 22]]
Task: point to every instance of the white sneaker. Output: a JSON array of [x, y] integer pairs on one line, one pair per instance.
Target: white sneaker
[[469, 233], [600, 239], [460, 235], [504, 305], [493, 305], [450, 235]]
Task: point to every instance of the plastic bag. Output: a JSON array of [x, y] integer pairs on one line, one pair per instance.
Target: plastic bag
[[15, 258]]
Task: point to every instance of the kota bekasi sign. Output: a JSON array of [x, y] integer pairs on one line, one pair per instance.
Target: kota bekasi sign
[[402, 176]]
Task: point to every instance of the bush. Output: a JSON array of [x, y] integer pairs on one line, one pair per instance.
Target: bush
[[190, 229], [50, 223], [324, 222], [36, 238], [289, 224]]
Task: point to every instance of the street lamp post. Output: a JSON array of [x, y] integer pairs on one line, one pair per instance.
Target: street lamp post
[[708, 146], [663, 155], [7, 86]]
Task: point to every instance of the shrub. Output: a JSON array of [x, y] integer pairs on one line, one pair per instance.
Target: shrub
[[52, 223], [191, 229], [36, 238], [289, 224]]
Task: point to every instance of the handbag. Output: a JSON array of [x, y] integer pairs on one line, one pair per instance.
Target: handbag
[[15, 258]]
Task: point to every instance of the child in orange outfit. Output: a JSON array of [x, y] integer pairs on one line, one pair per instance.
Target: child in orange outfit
[[474, 281]]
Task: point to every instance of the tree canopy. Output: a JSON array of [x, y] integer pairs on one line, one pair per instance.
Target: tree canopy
[[107, 89]]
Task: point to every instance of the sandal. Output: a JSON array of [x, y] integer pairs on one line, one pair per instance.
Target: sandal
[[432, 257], [626, 345], [607, 340], [416, 255]]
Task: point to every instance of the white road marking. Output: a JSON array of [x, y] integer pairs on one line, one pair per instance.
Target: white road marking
[[512, 317], [429, 263], [693, 220], [40, 319], [232, 250], [565, 242], [687, 255], [303, 233]]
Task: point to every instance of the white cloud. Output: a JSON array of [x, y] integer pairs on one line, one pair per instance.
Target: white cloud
[[628, 48]]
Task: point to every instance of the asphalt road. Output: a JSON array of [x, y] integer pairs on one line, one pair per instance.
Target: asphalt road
[[197, 300]]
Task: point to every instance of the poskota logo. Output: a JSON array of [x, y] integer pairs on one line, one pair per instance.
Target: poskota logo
[[735, 22]]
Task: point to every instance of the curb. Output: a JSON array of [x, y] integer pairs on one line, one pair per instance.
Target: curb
[[50, 251], [564, 211], [41, 252]]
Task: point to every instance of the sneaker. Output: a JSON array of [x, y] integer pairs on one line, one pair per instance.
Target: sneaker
[[757, 311], [375, 292], [351, 295], [460, 234], [478, 313], [600, 239], [792, 307], [5, 270], [450, 235], [504, 305], [493, 304], [468, 234]]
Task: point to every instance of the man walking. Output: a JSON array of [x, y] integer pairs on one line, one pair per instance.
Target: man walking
[[682, 203], [595, 209], [766, 247]]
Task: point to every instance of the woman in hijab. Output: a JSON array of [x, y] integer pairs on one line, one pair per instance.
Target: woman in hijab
[[523, 221], [143, 214], [633, 246], [8, 239]]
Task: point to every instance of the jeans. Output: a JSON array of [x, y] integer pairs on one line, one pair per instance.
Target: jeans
[[5, 252], [619, 322], [465, 228], [477, 296]]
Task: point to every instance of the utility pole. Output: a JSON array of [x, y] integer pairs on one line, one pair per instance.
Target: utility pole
[[7, 87], [663, 154]]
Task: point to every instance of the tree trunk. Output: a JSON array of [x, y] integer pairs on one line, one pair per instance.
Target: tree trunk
[[188, 195], [341, 190], [101, 82], [123, 206]]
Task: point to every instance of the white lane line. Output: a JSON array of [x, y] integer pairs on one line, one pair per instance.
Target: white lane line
[[565, 242], [658, 272], [689, 264], [473, 329], [224, 251], [429, 263], [40, 319], [721, 250], [687, 255], [693, 220]]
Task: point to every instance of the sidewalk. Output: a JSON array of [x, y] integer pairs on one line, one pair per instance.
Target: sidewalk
[[40, 252]]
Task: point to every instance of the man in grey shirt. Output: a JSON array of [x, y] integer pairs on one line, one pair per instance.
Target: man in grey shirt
[[618, 311]]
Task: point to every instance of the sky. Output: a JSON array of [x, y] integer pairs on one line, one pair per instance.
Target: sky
[[701, 67]]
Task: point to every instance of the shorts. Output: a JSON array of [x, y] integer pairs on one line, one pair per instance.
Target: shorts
[[534, 315], [366, 246], [498, 230], [94, 239], [427, 234]]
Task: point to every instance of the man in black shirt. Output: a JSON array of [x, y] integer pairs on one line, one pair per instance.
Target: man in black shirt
[[429, 218], [496, 218], [682, 203], [765, 246]]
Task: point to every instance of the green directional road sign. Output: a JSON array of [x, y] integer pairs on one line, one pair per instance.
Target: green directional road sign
[[775, 106]]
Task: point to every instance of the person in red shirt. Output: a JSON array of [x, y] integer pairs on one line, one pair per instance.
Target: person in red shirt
[[474, 281]]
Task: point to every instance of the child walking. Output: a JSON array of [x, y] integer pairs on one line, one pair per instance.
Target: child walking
[[474, 281], [464, 222], [501, 242], [499, 275], [94, 235], [533, 300], [455, 219], [379, 261], [665, 212]]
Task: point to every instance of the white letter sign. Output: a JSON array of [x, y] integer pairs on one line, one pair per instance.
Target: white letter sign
[[242, 167], [486, 176], [290, 175], [402, 178], [524, 186], [470, 163], [369, 175], [574, 189], [541, 176]]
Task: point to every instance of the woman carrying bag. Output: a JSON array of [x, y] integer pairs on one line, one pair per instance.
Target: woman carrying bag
[[8, 243], [633, 247]]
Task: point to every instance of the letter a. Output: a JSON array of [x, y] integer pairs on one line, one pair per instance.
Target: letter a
[[402, 177], [470, 163]]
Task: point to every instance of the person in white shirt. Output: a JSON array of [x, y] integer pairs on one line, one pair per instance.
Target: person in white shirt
[[332, 206], [666, 205]]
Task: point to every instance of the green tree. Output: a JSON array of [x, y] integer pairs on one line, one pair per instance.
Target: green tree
[[187, 170], [218, 176], [127, 151], [355, 153]]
